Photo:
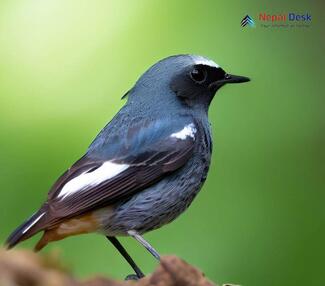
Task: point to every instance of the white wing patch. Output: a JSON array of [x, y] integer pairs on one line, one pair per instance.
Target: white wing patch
[[33, 222], [188, 131], [106, 171], [199, 60]]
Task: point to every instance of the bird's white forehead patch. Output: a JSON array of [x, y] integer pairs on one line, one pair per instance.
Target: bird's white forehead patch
[[106, 171], [199, 60], [188, 131]]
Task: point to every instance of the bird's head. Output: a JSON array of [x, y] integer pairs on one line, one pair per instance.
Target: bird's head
[[190, 79]]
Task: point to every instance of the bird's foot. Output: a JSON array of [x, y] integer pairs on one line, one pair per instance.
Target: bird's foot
[[132, 277]]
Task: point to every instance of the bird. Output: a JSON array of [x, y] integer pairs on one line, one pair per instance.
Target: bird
[[145, 167]]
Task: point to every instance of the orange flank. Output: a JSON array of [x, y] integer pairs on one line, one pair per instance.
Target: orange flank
[[82, 224]]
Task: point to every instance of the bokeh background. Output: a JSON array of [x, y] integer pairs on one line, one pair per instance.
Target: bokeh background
[[259, 219]]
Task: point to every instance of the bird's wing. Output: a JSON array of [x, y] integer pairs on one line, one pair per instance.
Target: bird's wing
[[122, 164]]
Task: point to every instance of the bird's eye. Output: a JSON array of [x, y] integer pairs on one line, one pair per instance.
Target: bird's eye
[[198, 75]]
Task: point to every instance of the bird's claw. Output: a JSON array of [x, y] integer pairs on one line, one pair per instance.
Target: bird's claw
[[132, 277]]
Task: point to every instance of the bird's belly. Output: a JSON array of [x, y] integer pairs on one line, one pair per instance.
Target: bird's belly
[[160, 203]]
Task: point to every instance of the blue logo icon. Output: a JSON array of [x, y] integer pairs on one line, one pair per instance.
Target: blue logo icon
[[247, 20]]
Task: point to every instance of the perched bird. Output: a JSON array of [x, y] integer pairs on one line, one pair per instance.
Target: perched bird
[[145, 167]]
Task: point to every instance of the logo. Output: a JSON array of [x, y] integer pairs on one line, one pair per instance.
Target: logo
[[247, 20], [285, 17], [279, 20]]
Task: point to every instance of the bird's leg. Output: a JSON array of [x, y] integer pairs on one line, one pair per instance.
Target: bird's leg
[[145, 243], [127, 257]]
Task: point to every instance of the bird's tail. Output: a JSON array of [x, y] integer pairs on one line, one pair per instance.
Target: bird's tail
[[26, 230]]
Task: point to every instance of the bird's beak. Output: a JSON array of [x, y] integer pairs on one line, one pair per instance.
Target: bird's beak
[[229, 78]]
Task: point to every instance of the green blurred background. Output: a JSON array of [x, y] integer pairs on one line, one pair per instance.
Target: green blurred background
[[259, 219]]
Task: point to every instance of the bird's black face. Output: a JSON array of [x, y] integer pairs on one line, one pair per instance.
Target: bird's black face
[[198, 83], [189, 79]]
